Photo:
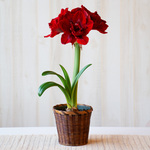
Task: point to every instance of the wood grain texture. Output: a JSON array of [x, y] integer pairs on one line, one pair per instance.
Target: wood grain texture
[[117, 85], [96, 142]]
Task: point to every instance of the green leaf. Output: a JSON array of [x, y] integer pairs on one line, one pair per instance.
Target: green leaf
[[67, 78], [77, 78], [67, 87], [58, 75], [47, 85]]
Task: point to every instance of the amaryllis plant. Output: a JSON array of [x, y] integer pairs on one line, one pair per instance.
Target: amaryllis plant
[[74, 26]]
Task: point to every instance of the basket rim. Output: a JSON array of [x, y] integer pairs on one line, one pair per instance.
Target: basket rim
[[78, 112]]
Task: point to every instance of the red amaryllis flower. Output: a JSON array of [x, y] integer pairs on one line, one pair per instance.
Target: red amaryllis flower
[[76, 24]]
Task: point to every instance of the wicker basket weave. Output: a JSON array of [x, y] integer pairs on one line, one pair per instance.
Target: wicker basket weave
[[72, 127]]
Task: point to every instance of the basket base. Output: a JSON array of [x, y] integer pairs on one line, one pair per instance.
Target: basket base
[[73, 144]]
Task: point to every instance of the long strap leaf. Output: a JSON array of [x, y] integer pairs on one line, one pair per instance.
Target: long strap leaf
[[64, 82], [67, 78], [47, 85], [53, 73], [77, 77]]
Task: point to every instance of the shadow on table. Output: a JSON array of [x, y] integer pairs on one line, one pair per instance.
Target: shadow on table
[[112, 139]]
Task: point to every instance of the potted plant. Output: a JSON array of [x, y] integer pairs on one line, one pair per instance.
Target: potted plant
[[72, 119]]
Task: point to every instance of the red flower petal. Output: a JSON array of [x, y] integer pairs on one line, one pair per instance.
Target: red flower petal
[[66, 38], [63, 11], [99, 24], [79, 17], [73, 11], [53, 25], [65, 25], [84, 40], [102, 27], [88, 27], [84, 8], [47, 36]]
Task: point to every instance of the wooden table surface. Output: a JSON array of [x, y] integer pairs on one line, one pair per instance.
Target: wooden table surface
[[100, 138]]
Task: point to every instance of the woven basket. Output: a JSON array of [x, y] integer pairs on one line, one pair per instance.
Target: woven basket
[[72, 127]]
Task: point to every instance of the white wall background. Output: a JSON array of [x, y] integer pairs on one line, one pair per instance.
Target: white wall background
[[117, 85]]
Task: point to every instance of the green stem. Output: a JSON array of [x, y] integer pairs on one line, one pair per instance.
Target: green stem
[[76, 71]]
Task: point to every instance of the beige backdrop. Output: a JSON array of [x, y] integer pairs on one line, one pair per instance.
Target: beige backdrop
[[117, 85]]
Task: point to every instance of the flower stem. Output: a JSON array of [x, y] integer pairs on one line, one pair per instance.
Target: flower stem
[[76, 71]]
